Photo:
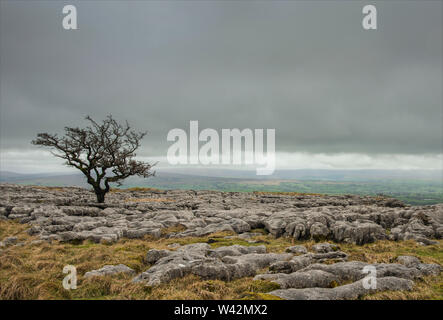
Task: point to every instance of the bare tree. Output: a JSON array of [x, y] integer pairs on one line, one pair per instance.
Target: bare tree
[[103, 152]]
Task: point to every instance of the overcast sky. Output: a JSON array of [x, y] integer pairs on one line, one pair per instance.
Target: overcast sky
[[337, 95]]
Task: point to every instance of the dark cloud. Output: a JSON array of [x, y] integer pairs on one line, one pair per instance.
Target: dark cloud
[[308, 70]]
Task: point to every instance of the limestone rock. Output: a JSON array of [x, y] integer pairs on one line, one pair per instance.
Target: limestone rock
[[201, 260], [110, 270], [349, 291], [408, 261], [325, 247], [297, 249], [70, 214], [9, 241], [154, 255]]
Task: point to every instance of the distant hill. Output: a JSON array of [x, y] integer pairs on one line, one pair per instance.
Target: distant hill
[[314, 174], [8, 176], [413, 187]]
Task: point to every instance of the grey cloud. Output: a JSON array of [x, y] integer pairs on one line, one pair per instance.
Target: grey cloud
[[306, 69]]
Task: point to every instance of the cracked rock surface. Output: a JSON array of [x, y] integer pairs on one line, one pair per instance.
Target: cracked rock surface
[[323, 275], [70, 214], [109, 270], [344, 280], [348, 291], [311, 280], [224, 263]]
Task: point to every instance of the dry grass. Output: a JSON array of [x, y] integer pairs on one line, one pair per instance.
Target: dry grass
[[10, 228], [34, 271], [428, 288]]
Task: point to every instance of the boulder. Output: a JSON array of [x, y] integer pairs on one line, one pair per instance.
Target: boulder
[[110, 270], [325, 247], [297, 249]]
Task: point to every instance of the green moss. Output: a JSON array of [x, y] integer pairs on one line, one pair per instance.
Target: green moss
[[260, 230], [82, 244], [263, 286], [260, 296]]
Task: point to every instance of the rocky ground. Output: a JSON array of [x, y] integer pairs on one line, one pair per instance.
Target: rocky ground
[[318, 271]]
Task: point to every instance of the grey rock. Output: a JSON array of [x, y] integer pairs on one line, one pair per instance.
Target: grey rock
[[319, 231], [247, 235], [321, 257], [154, 255], [301, 279], [300, 262], [140, 233], [69, 236], [201, 260], [4, 212], [110, 270], [53, 214], [235, 250], [353, 270], [297, 249], [283, 267], [431, 269], [325, 247], [20, 211], [239, 225], [357, 232], [349, 291], [408, 261], [9, 241]]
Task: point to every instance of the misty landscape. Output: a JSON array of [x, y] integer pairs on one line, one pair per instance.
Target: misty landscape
[[412, 187], [221, 150]]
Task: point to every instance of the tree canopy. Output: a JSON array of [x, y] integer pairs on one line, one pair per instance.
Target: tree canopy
[[103, 152]]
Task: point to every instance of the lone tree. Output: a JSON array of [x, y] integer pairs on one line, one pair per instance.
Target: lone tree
[[103, 152]]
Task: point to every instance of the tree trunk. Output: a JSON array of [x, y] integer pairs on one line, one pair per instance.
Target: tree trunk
[[100, 196]]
